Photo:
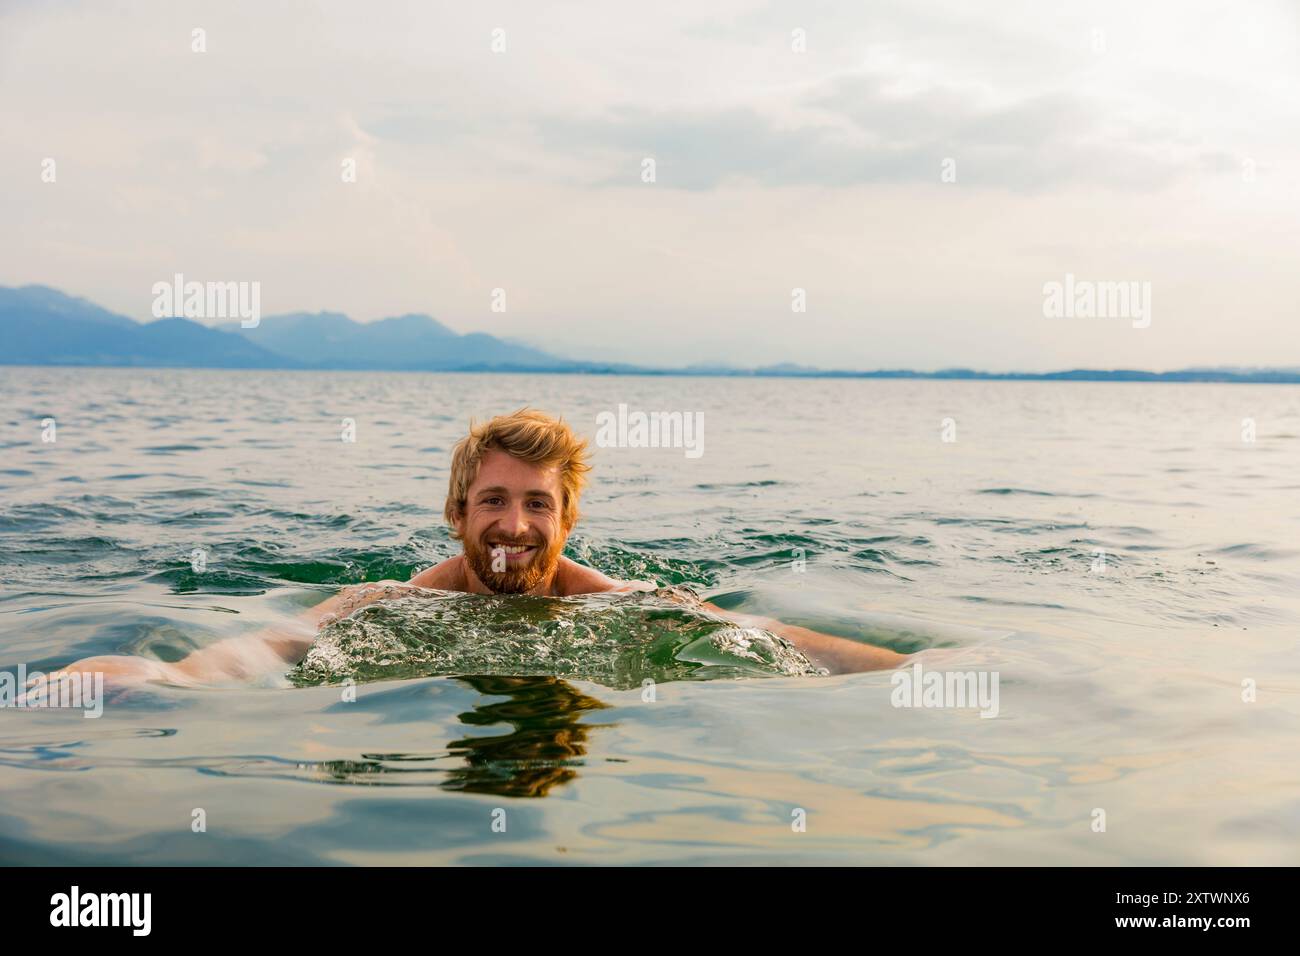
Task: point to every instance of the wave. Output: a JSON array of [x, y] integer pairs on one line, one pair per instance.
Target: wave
[[621, 641]]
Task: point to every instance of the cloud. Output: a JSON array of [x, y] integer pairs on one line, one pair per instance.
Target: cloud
[[858, 131]]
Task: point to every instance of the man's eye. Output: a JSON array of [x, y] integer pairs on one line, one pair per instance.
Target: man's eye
[[492, 501]]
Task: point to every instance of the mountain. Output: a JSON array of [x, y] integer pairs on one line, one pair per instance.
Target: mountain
[[310, 337], [329, 340], [42, 300], [42, 326]]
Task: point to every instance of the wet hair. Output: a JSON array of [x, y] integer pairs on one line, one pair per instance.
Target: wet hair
[[528, 435]]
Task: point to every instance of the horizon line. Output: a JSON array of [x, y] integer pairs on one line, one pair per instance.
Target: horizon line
[[1254, 375]]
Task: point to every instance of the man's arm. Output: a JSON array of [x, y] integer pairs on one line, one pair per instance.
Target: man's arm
[[247, 656], [839, 655], [268, 650]]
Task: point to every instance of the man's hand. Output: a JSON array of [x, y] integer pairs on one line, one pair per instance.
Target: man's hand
[[358, 596], [119, 672]]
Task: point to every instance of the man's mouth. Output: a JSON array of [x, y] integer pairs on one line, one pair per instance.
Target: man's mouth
[[514, 553]]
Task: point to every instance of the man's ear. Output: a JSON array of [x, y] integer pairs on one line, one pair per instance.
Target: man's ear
[[458, 522]]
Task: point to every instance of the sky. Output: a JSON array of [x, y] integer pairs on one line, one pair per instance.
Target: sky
[[921, 169]]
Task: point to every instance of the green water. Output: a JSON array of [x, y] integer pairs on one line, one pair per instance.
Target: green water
[[618, 640]]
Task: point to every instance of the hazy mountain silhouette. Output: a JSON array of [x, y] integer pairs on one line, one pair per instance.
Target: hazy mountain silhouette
[[43, 326], [44, 299], [332, 340]]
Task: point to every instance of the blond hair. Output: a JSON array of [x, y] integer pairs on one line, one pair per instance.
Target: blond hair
[[528, 435]]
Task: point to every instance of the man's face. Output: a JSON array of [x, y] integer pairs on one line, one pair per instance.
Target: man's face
[[512, 526]]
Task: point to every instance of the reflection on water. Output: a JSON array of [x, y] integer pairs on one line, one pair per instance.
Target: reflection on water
[[540, 751], [544, 744]]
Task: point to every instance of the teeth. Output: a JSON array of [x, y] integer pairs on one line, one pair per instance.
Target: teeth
[[513, 548]]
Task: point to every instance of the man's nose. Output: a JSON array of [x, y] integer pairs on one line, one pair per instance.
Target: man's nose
[[515, 523]]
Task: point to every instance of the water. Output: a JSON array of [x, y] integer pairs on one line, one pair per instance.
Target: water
[[1121, 674], [618, 640]]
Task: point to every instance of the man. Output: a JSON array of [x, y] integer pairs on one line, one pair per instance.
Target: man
[[512, 501]]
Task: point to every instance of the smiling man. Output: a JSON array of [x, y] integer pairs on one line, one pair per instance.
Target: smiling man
[[512, 502]]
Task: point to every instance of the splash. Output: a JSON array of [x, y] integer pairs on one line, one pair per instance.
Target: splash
[[618, 640]]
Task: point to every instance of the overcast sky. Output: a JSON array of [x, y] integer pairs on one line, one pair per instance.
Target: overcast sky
[[1154, 142]]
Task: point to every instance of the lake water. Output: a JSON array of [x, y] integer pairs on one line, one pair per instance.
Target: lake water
[[1117, 554]]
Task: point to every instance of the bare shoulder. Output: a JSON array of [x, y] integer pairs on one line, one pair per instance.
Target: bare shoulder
[[575, 578], [448, 575]]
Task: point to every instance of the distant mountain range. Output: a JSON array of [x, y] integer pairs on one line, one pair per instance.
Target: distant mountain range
[[330, 340], [43, 326]]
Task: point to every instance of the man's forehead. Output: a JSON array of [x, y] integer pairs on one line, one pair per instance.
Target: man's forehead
[[501, 468]]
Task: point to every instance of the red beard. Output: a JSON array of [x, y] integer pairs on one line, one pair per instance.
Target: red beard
[[513, 580]]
